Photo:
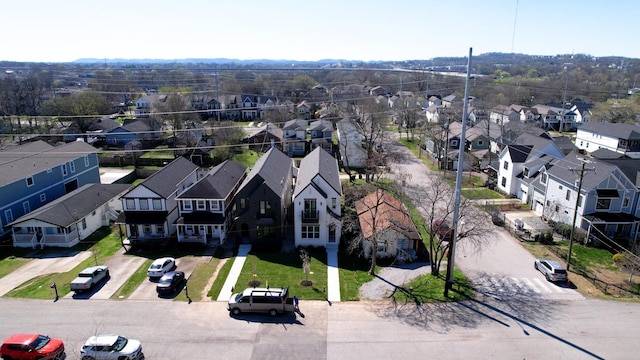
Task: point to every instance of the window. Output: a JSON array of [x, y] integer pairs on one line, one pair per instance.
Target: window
[[603, 204], [334, 202], [131, 204], [186, 205], [214, 204], [157, 204], [159, 229], [43, 197], [568, 197], [144, 204], [64, 169], [625, 202], [30, 181], [311, 232], [243, 203], [560, 187], [84, 224], [480, 142], [543, 178], [201, 205], [72, 166], [146, 228], [8, 216], [26, 207], [504, 181], [505, 165], [265, 207], [454, 143], [86, 160], [579, 200]]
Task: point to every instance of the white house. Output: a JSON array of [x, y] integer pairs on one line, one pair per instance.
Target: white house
[[69, 219], [619, 137], [316, 201]]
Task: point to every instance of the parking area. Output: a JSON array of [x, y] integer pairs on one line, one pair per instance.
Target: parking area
[[147, 290]]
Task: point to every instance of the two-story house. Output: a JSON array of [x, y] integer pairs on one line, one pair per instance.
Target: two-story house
[[262, 203], [554, 118], [322, 135], [150, 210], [608, 198], [317, 214], [352, 154], [204, 207], [520, 160], [69, 219], [619, 137], [269, 136], [295, 137], [34, 174]]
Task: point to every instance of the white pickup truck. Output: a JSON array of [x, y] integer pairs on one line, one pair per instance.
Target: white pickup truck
[[89, 277]]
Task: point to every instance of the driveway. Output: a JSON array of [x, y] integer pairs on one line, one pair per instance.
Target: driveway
[[54, 262], [501, 267]]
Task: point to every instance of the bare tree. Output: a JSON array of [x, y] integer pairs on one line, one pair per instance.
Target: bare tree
[[173, 111], [436, 203], [370, 120]]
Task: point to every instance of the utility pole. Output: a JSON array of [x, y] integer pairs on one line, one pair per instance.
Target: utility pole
[[456, 205], [217, 97], [575, 210]]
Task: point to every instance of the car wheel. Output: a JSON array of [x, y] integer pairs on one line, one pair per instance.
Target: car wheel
[[235, 311], [107, 274], [273, 312], [548, 277], [535, 265]]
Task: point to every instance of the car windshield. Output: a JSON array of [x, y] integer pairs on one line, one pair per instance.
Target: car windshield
[[40, 342], [120, 344], [156, 266], [558, 271], [165, 280]]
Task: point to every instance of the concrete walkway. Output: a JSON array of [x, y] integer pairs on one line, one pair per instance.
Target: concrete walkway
[[333, 275], [236, 269]]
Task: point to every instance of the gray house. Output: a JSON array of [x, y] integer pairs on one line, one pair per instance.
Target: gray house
[[263, 201]]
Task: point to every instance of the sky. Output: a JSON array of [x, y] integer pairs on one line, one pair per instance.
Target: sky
[[310, 30]]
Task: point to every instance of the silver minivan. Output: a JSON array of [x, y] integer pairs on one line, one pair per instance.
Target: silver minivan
[[268, 300]]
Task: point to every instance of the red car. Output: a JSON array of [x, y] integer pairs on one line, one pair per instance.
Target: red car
[[32, 346]]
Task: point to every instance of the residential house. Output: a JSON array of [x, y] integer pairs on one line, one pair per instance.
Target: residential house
[[322, 135], [385, 221], [304, 109], [144, 130], [69, 219], [317, 214], [554, 118], [295, 137], [36, 173], [402, 100], [352, 154], [150, 210], [262, 204], [619, 137], [520, 161], [146, 104], [503, 114], [269, 136], [317, 94], [379, 91], [449, 101], [608, 201], [205, 206]]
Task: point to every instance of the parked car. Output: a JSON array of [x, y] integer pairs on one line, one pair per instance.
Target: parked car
[[111, 347], [442, 229], [32, 346], [89, 277], [269, 300], [169, 282], [552, 270], [161, 266]]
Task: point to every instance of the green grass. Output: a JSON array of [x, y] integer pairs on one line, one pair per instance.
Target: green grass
[[247, 158], [39, 287], [198, 280], [161, 152], [476, 194], [132, 283], [285, 270], [428, 288], [467, 181], [220, 279], [353, 273], [12, 262]]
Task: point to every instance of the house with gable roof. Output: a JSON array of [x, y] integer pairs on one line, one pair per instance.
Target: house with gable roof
[[36, 173], [608, 203], [523, 159], [269, 136], [150, 210], [204, 208], [295, 137], [69, 219], [262, 203], [385, 219], [321, 132], [143, 130], [317, 214], [619, 137], [352, 154]]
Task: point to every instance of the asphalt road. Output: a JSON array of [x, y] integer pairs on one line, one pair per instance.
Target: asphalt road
[[509, 329]]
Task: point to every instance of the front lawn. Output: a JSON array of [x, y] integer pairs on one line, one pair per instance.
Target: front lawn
[[476, 194]]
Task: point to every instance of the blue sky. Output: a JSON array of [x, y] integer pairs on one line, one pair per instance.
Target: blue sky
[[65, 30]]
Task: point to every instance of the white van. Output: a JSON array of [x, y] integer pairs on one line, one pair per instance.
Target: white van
[[268, 300]]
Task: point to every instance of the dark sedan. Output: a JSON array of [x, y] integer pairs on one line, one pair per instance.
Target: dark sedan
[[170, 282]]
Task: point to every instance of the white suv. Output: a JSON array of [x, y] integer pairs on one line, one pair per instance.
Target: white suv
[[552, 270], [109, 347]]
